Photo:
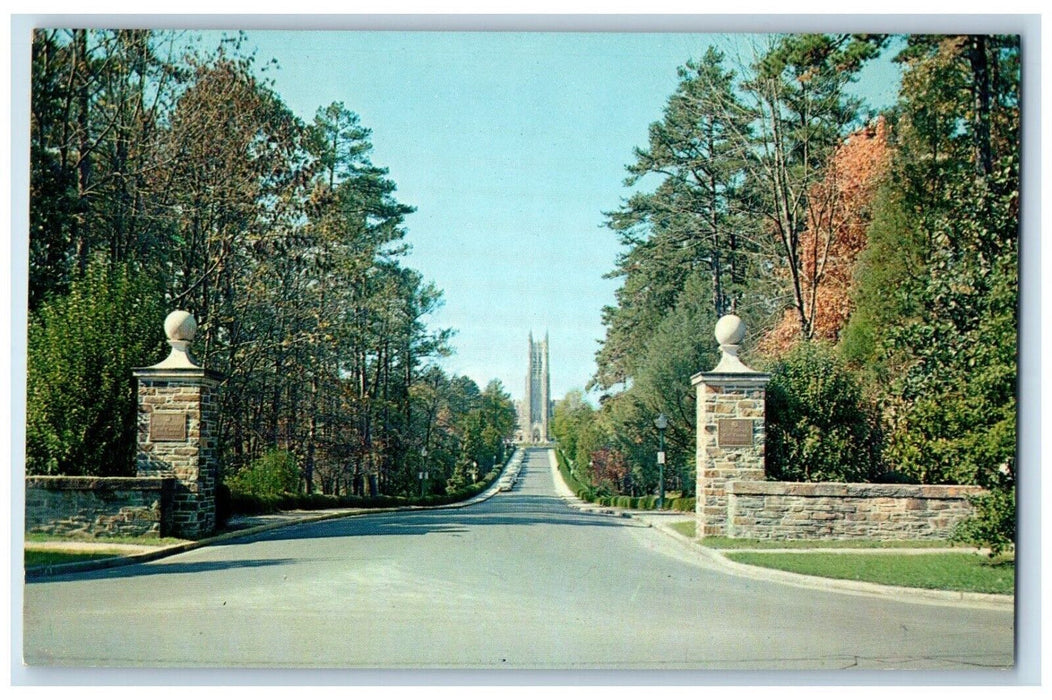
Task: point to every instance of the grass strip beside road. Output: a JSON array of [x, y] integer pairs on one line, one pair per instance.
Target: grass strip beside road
[[684, 527], [950, 571], [50, 557], [36, 537]]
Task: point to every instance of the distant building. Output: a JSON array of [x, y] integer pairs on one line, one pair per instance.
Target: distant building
[[535, 411]]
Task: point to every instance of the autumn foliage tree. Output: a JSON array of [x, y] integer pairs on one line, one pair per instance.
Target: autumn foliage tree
[[882, 272], [839, 213]]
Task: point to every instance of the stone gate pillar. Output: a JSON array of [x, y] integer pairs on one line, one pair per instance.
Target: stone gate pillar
[[177, 418], [731, 428]]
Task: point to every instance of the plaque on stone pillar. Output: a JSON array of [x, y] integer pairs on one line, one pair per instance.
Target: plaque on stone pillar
[[734, 432], [167, 427]]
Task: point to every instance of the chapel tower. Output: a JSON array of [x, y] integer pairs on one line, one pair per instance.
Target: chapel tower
[[536, 407]]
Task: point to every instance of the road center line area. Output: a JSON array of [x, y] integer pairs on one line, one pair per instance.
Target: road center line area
[[518, 581]]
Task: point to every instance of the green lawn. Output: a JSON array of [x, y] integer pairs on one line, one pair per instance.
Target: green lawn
[[943, 571], [144, 541], [46, 557], [686, 528]]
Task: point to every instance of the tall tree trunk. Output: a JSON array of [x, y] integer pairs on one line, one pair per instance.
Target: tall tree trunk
[[979, 60], [81, 227]]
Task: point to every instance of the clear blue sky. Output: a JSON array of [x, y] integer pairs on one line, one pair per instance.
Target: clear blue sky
[[510, 146]]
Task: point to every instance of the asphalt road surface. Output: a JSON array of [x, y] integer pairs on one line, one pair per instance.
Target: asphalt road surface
[[519, 581]]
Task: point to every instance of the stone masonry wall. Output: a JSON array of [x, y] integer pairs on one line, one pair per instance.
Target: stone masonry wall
[[784, 510], [719, 466], [97, 507], [192, 461]]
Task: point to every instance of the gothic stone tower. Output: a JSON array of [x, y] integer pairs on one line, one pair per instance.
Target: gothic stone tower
[[536, 407]]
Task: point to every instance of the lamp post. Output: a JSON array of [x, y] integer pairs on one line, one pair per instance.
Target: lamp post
[[423, 470], [474, 471], [661, 422]]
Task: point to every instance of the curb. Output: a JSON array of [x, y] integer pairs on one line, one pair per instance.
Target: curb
[[901, 593], [51, 570]]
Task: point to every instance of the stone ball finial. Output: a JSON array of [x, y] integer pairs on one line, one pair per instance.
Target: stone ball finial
[[730, 330], [180, 325]]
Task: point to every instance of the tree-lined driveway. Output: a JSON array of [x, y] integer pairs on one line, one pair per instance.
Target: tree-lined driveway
[[519, 581]]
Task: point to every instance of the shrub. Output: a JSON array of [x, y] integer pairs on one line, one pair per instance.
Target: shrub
[[248, 504], [270, 476], [992, 524], [818, 428], [685, 505], [81, 406], [580, 489]]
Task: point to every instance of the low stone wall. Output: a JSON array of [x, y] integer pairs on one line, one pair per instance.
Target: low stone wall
[[98, 507], [785, 510]]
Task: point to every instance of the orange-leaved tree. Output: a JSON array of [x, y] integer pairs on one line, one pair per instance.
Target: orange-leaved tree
[[838, 214]]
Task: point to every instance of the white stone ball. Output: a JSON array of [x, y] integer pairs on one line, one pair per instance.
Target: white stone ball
[[180, 325], [730, 330]]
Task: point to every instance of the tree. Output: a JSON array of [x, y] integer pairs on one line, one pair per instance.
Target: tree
[[750, 210], [690, 222], [944, 340], [283, 239], [797, 92], [97, 105], [81, 403], [838, 217]]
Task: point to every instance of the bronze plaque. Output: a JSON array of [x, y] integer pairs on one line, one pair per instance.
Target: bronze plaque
[[734, 432], [167, 427]]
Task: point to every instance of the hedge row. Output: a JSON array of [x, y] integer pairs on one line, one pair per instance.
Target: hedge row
[[685, 505], [580, 489], [587, 493], [246, 504]]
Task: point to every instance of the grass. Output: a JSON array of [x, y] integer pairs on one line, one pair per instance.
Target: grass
[[684, 527], [47, 557], [144, 541], [40, 556], [950, 571]]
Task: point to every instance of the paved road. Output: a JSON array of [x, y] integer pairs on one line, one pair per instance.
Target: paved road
[[520, 581]]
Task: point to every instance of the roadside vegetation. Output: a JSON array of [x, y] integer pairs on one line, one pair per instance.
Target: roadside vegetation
[[166, 174], [952, 571], [42, 549], [872, 255], [146, 541], [269, 495], [50, 557], [601, 495], [942, 571]]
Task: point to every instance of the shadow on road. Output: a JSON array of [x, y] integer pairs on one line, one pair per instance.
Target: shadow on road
[[161, 568], [506, 509]]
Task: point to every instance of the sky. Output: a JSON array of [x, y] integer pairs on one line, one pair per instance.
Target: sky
[[510, 146]]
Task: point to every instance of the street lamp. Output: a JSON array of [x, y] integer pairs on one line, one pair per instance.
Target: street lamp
[[422, 474], [661, 422], [474, 471]]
